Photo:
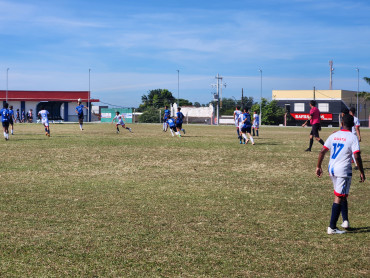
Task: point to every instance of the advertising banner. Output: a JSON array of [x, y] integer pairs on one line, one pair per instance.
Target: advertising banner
[[304, 116]]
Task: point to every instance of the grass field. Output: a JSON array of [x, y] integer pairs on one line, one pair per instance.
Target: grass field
[[100, 204]]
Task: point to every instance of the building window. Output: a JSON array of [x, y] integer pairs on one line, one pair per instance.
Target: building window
[[324, 107], [298, 107]]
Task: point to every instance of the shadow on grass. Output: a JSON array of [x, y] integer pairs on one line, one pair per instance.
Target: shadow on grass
[[358, 230]]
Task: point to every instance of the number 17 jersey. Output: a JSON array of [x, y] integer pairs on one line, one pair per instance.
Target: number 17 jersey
[[342, 145]]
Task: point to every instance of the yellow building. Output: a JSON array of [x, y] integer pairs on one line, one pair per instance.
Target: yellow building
[[329, 102]]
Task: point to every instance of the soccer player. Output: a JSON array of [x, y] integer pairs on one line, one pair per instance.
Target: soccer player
[[315, 122], [5, 120], [167, 115], [120, 119], [341, 145], [237, 113], [80, 113], [18, 118], [246, 126], [45, 120], [172, 125], [179, 119], [11, 118], [256, 123], [356, 127]]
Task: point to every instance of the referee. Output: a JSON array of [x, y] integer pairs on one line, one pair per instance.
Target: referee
[[315, 122]]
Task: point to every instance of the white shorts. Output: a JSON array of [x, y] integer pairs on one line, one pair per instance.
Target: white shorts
[[121, 123], [236, 123], [255, 125], [341, 185], [45, 123]]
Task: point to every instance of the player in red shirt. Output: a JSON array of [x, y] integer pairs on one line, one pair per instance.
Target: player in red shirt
[[315, 123]]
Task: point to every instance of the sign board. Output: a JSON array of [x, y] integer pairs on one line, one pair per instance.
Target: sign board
[[107, 114], [304, 116]]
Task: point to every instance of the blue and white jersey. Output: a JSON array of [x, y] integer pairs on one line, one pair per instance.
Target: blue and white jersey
[[180, 117], [119, 118], [167, 114], [246, 118], [171, 122], [44, 115], [4, 115], [11, 114], [342, 144], [237, 113], [80, 109]]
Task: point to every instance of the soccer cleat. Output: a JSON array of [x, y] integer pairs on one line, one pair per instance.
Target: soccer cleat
[[253, 143], [117, 131], [308, 150], [345, 224], [246, 142], [130, 129], [335, 231], [48, 135], [241, 142]]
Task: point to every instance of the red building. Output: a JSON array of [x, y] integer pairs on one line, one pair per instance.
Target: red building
[[60, 104]]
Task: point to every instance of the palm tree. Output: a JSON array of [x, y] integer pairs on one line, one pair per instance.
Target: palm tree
[[365, 95]]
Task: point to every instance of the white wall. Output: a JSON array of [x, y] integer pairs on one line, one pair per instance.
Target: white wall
[[192, 111]]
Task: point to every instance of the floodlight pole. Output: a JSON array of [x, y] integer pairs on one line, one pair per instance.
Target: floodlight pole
[[260, 123], [7, 79], [178, 88], [88, 101], [358, 88]]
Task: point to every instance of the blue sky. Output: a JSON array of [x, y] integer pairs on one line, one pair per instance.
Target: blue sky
[[132, 47]]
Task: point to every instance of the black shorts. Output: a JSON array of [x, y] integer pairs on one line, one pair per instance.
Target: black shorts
[[246, 129], [11, 122], [173, 128], [80, 118], [315, 130], [179, 125], [6, 124]]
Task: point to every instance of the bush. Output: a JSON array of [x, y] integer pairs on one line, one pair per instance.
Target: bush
[[151, 115]]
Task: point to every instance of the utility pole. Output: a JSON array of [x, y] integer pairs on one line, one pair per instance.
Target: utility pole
[[242, 100], [314, 93]]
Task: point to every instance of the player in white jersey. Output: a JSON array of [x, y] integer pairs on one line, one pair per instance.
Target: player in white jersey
[[120, 119], [341, 144], [356, 127], [237, 113], [256, 123], [45, 120]]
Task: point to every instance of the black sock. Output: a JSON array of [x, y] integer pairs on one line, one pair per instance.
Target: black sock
[[344, 209], [253, 132], [257, 132], [127, 128], [321, 142], [311, 143], [335, 212], [117, 128]]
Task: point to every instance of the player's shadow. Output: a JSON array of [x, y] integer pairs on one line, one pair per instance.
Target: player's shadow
[[358, 230]]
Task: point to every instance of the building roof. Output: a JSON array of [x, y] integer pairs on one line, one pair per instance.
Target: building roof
[[65, 96]]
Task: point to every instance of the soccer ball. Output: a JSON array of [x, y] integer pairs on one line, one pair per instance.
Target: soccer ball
[[79, 100]]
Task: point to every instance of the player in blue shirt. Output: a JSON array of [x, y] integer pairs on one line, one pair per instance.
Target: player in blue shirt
[[179, 119], [246, 126], [167, 115], [80, 112], [11, 118], [5, 120], [172, 125]]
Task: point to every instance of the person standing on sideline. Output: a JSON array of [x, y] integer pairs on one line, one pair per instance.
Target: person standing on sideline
[[167, 115], [120, 119], [18, 116], [315, 122], [80, 113], [5, 120], [256, 123], [237, 113], [179, 120], [11, 119], [341, 144], [45, 120]]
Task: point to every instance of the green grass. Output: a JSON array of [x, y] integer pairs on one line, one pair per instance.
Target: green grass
[[100, 204]]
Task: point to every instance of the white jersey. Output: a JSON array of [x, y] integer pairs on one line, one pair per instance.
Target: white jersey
[[44, 116], [256, 121], [342, 144], [119, 118], [237, 113], [356, 121]]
